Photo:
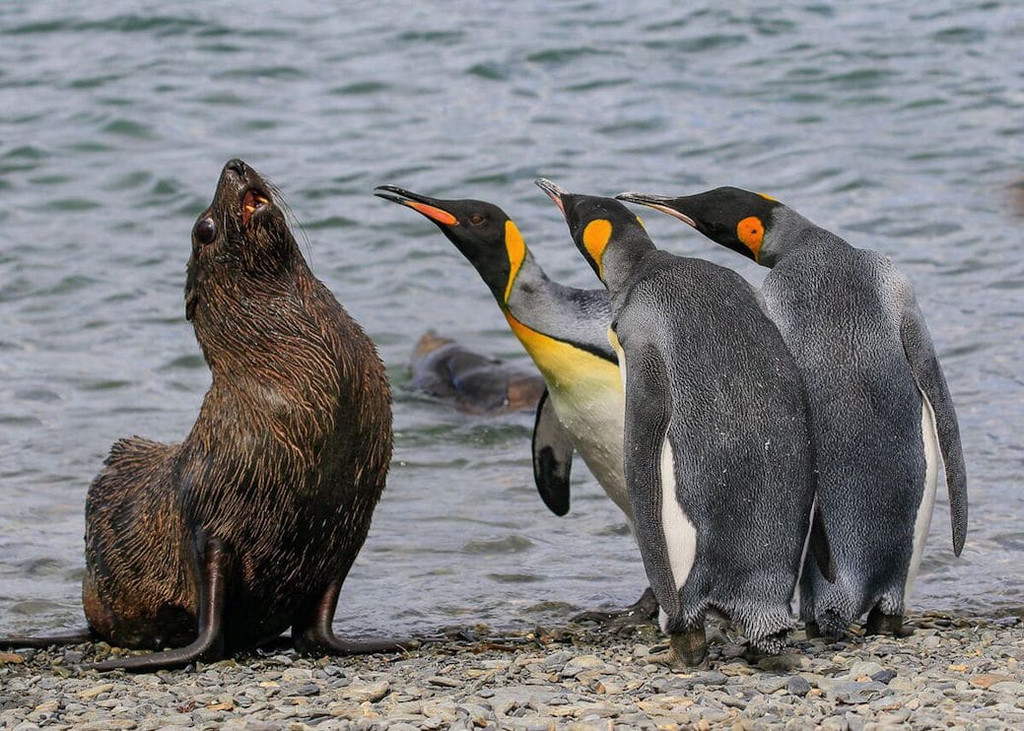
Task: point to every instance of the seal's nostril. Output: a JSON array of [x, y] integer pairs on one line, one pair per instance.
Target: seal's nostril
[[236, 166]]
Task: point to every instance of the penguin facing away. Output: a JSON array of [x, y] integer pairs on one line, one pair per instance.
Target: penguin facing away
[[717, 452], [881, 412], [564, 330]]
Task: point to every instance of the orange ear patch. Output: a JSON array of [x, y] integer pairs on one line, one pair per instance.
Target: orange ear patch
[[751, 232], [433, 213], [596, 236]]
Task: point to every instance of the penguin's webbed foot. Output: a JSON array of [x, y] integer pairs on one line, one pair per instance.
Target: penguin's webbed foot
[[687, 649], [643, 611], [886, 624]]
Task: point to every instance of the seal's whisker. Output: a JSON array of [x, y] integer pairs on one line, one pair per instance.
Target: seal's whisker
[[293, 222]]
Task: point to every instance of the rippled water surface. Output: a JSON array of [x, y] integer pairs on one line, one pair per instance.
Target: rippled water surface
[[900, 129]]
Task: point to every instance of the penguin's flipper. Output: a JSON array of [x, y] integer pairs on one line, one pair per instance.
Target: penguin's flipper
[[819, 546], [924, 365], [648, 412], [552, 457]]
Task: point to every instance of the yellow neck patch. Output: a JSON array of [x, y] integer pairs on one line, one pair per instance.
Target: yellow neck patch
[[751, 232], [564, 367], [768, 197], [596, 236], [516, 248]]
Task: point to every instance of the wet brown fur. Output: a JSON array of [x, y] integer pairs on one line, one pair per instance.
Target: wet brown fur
[[284, 464]]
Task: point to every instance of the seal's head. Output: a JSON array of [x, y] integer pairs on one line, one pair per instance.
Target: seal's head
[[242, 240]]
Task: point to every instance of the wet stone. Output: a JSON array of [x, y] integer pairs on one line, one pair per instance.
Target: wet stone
[[883, 676], [798, 686]]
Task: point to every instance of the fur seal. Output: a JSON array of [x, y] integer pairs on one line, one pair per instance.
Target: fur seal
[[250, 525], [476, 383]]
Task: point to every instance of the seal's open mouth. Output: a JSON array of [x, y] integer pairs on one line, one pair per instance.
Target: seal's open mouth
[[252, 201]]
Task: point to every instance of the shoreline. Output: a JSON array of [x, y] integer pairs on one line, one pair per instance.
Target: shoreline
[[954, 670]]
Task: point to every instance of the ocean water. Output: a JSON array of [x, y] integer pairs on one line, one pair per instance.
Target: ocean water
[[899, 128]]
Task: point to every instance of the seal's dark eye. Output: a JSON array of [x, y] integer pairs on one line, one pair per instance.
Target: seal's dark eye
[[476, 219], [206, 231]]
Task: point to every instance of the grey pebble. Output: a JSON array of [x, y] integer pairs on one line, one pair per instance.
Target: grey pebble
[[711, 678], [884, 676], [853, 692], [798, 686], [584, 679], [771, 683]]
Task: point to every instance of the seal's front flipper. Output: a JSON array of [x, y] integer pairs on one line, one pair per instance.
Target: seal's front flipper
[[71, 638], [552, 457], [216, 569], [313, 633]]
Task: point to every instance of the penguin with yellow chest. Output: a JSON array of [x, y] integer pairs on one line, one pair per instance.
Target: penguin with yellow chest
[[882, 413], [564, 330], [718, 460]]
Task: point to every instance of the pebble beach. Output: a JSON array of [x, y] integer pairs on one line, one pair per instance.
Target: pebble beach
[[952, 672]]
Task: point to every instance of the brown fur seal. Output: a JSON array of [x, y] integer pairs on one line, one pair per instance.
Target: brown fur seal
[[251, 524], [478, 384]]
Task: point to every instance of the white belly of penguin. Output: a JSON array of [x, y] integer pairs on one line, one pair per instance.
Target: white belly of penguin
[[594, 418], [680, 532], [923, 521]]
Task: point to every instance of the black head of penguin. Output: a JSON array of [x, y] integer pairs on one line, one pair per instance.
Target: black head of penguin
[[594, 222], [481, 231], [732, 217]]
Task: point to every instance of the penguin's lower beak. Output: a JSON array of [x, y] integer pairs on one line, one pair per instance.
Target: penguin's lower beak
[[429, 207], [661, 203], [553, 191]]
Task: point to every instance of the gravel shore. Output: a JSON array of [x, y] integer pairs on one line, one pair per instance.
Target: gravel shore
[[954, 671]]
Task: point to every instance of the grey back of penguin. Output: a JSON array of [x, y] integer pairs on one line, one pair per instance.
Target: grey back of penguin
[[738, 435], [841, 310]]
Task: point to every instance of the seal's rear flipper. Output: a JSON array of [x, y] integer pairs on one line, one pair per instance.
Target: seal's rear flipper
[[314, 633], [210, 643], [643, 611], [71, 638]]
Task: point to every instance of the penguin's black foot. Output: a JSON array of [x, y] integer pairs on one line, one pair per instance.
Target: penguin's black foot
[[812, 630], [885, 624], [688, 649], [643, 611]]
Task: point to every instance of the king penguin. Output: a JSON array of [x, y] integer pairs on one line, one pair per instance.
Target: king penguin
[[881, 412], [564, 331], [718, 459]]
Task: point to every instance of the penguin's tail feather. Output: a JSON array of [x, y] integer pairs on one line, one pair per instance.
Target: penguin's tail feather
[[767, 628], [831, 623], [771, 644]]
